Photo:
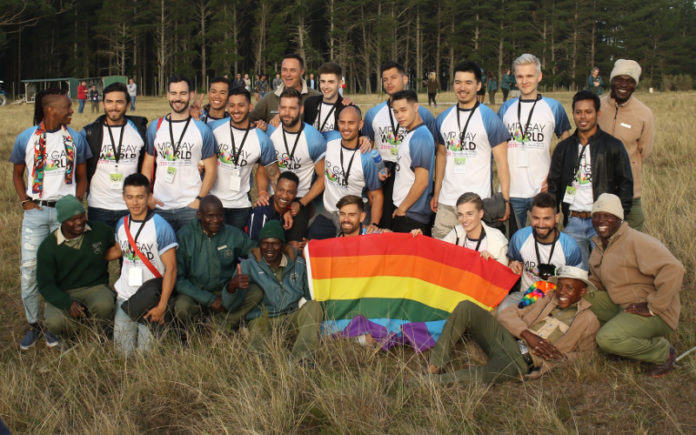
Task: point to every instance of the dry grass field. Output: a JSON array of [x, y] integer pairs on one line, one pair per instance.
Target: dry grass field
[[213, 385]]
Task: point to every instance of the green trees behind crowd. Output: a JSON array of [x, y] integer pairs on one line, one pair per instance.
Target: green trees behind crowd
[[150, 39]]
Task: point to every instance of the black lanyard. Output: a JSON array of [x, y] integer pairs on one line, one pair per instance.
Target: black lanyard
[[394, 127], [117, 152], [576, 169], [175, 149], [553, 246], [236, 154], [529, 118], [346, 174], [137, 234], [297, 139], [480, 239], [321, 128], [462, 133]]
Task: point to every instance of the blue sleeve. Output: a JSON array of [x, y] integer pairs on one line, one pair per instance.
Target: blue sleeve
[[370, 172], [209, 146], [316, 144], [422, 149], [83, 152], [151, 133], [269, 130], [560, 117], [166, 239], [268, 154], [367, 125], [331, 135], [215, 124], [19, 151], [495, 129], [428, 120], [571, 250], [438, 126], [504, 107], [119, 224], [515, 244]]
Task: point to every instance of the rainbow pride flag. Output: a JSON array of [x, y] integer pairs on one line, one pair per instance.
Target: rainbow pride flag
[[398, 288]]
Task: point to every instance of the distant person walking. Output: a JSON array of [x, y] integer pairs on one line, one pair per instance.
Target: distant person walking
[[94, 98], [506, 84], [595, 82], [132, 92], [81, 96], [432, 85], [492, 87]]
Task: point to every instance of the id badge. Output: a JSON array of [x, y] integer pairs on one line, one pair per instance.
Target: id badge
[[522, 158], [116, 181], [236, 179], [170, 175], [135, 277], [569, 196], [394, 150], [459, 162]]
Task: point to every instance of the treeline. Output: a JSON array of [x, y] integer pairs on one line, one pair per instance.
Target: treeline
[[151, 39]]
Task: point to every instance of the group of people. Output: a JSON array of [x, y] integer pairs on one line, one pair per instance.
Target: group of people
[[172, 200]]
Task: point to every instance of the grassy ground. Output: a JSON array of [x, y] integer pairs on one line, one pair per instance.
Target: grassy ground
[[214, 385]]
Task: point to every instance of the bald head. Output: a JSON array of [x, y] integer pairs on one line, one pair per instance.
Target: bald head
[[349, 125]]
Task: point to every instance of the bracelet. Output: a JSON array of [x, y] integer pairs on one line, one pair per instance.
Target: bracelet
[[198, 197], [26, 200]]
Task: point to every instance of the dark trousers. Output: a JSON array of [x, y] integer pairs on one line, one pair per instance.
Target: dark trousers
[[505, 94], [388, 189], [299, 224], [237, 217], [404, 224], [431, 99]]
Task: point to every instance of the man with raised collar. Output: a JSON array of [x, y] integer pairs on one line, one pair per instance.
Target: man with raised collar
[[291, 70], [176, 144], [536, 251], [321, 111], [625, 117], [531, 120], [53, 156], [584, 166], [117, 142], [277, 208], [240, 147], [467, 134], [345, 175], [216, 108], [300, 148], [415, 162], [382, 128]]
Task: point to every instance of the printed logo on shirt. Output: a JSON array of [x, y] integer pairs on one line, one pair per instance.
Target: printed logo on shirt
[[55, 161], [184, 153], [334, 173], [226, 156], [291, 164], [97, 248], [388, 137], [128, 152], [146, 248], [453, 142], [585, 174], [534, 137]]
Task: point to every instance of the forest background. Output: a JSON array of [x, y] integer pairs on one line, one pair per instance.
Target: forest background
[[151, 39]]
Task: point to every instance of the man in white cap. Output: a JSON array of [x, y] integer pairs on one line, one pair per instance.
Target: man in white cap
[[638, 282], [625, 117], [522, 341]]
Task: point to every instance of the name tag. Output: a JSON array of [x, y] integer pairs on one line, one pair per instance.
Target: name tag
[[170, 175], [135, 277], [459, 162], [522, 158], [116, 181], [220, 248], [569, 196], [625, 125], [236, 180]]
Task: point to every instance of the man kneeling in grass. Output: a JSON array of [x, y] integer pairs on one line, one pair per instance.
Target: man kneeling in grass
[[276, 268], [522, 341], [71, 269]]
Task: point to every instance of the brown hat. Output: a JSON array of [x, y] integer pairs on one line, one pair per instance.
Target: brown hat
[[626, 67], [608, 203]]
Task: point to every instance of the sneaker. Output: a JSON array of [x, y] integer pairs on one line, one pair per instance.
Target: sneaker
[[29, 339], [51, 340], [665, 367]]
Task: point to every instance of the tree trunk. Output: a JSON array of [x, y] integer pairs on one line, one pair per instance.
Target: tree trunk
[[419, 54], [573, 57], [438, 41], [204, 12], [331, 30]]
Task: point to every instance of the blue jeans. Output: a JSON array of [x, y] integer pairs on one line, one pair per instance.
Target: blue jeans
[[130, 335], [520, 207], [81, 107], [178, 217], [132, 102], [107, 217], [237, 217], [582, 231], [36, 226]]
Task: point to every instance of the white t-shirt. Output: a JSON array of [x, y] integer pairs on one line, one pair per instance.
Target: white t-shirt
[[54, 186], [521, 248], [379, 127], [106, 186], [156, 238], [416, 150], [583, 182], [310, 149], [177, 179], [362, 172], [468, 165], [530, 160], [233, 182], [326, 117]]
